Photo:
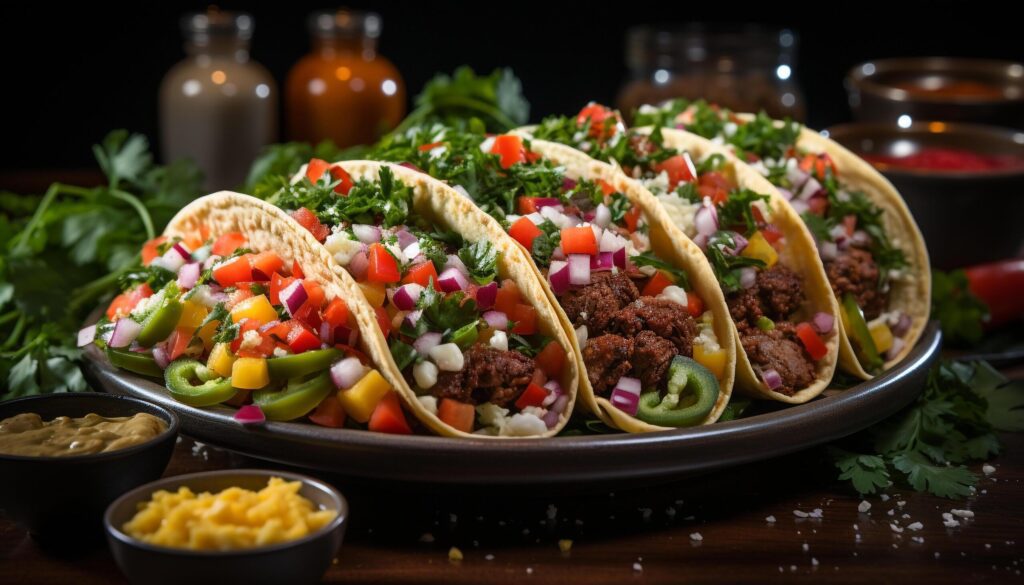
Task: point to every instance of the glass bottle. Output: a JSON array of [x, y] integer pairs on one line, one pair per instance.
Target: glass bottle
[[343, 90], [746, 69], [217, 106]]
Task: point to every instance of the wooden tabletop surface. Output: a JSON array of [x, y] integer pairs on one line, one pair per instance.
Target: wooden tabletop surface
[[742, 525]]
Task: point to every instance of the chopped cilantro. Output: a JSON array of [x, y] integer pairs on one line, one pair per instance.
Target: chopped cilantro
[[481, 259]]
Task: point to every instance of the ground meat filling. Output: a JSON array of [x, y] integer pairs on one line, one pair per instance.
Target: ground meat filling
[[607, 359], [651, 357], [595, 304], [487, 375], [667, 319], [854, 271], [776, 294]]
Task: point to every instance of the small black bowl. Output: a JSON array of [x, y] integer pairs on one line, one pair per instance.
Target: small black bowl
[[966, 217], [300, 561], [62, 499]]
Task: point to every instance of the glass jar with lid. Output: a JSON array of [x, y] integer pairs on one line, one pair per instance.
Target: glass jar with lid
[[218, 107], [746, 69], [343, 90]]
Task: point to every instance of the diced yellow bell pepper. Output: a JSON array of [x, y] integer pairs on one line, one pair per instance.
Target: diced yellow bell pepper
[[192, 315], [250, 373], [207, 332], [257, 307], [759, 248], [221, 360], [360, 400], [712, 360], [374, 293], [881, 335]]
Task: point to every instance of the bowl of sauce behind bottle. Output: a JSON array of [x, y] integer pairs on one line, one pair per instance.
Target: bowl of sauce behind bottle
[[65, 457], [962, 182]]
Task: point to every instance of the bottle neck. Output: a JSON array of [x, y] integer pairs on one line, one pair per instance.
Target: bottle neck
[[231, 48], [329, 47]]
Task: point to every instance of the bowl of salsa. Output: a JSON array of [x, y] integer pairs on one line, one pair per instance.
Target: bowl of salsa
[[985, 91], [962, 182]]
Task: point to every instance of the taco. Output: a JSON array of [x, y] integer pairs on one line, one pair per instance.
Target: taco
[[475, 345], [650, 327], [873, 251], [237, 305], [762, 255]]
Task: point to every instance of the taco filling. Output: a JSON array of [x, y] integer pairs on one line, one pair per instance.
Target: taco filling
[[467, 341], [222, 323], [641, 329], [733, 226], [861, 261]]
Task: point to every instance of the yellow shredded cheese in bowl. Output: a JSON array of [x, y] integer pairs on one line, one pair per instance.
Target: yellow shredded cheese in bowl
[[232, 519]]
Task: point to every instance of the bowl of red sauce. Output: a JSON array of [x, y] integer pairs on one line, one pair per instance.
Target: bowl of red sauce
[[985, 91], [964, 183]]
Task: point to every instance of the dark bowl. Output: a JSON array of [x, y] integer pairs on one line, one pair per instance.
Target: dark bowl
[[62, 499], [877, 91], [967, 217], [300, 561]]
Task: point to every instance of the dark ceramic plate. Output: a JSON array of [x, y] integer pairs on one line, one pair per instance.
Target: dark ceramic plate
[[559, 460]]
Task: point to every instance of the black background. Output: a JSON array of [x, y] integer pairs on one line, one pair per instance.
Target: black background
[[72, 74]]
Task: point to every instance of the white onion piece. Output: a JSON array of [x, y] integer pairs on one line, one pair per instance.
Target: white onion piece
[[345, 373], [448, 357], [125, 332], [675, 294], [610, 241], [811, 187], [367, 234], [411, 251], [582, 334], [456, 263], [748, 276], [188, 276], [579, 269], [706, 220], [828, 250], [425, 374], [496, 320], [499, 341], [86, 335], [426, 342], [160, 357], [603, 215], [555, 412]]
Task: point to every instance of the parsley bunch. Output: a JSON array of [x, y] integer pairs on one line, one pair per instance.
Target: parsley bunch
[[385, 200]]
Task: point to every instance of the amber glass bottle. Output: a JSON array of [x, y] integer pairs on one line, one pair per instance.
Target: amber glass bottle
[[343, 89]]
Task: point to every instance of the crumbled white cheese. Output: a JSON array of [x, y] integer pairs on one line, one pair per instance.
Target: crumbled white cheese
[[696, 537], [342, 247], [425, 374], [988, 469], [675, 294], [523, 425], [250, 339], [681, 212], [499, 341], [864, 506], [915, 526], [770, 519], [963, 513]]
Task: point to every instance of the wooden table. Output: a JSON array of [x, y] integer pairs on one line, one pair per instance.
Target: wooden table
[[711, 529]]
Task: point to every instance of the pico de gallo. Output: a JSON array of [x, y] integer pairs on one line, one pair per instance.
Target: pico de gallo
[[468, 342], [647, 341], [733, 226], [861, 260], [224, 324]]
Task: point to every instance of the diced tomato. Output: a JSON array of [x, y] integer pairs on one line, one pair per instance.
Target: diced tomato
[[348, 350], [551, 359], [606, 187], [716, 179], [336, 313], [422, 274], [771, 233], [532, 157], [717, 195], [384, 320], [677, 169], [458, 415], [656, 284], [297, 271], [694, 305], [525, 317], [265, 264], [233, 271], [579, 240], [526, 205], [125, 302], [277, 284], [388, 417], [315, 169], [632, 218], [178, 342], [277, 330], [315, 293], [598, 116], [227, 243], [507, 298], [150, 250], [382, 267], [815, 347], [238, 296], [999, 285], [817, 205], [340, 174], [309, 315], [263, 350], [300, 338], [539, 377], [534, 395], [524, 231], [329, 413], [428, 147], [510, 148], [311, 223]]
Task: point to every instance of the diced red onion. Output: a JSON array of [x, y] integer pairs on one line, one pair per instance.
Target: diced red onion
[[86, 335], [824, 322], [486, 295], [424, 343], [456, 263], [411, 251], [409, 165], [451, 280], [740, 244], [405, 239], [496, 320], [412, 318], [898, 344], [557, 253], [558, 276], [701, 240], [706, 220], [342, 334], [250, 414], [541, 202], [860, 238], [772, 379], [188, 276], [579, 269], [568, 184], [406, 296], [588, 216], [797, 176], [619, 258], [748, 276], [838, 233], [603, 215], [627, 384], [209, 262], [555, 215], [625, 401], [160, 356], [610, 242], [786, 194], [810, 189], [602, 261], [171, 260], [367, 234], [902, 325], [345, 373], [799, 206], [828, 250], [125, 332], [358, 265], [326, 335], [293, 296], [554, 391], [259, 276], [555, 412]]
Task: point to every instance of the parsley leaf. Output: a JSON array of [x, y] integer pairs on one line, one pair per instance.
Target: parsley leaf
[[442, 313], [481, 259], [957, 309], [868, 473], [649, 259]]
